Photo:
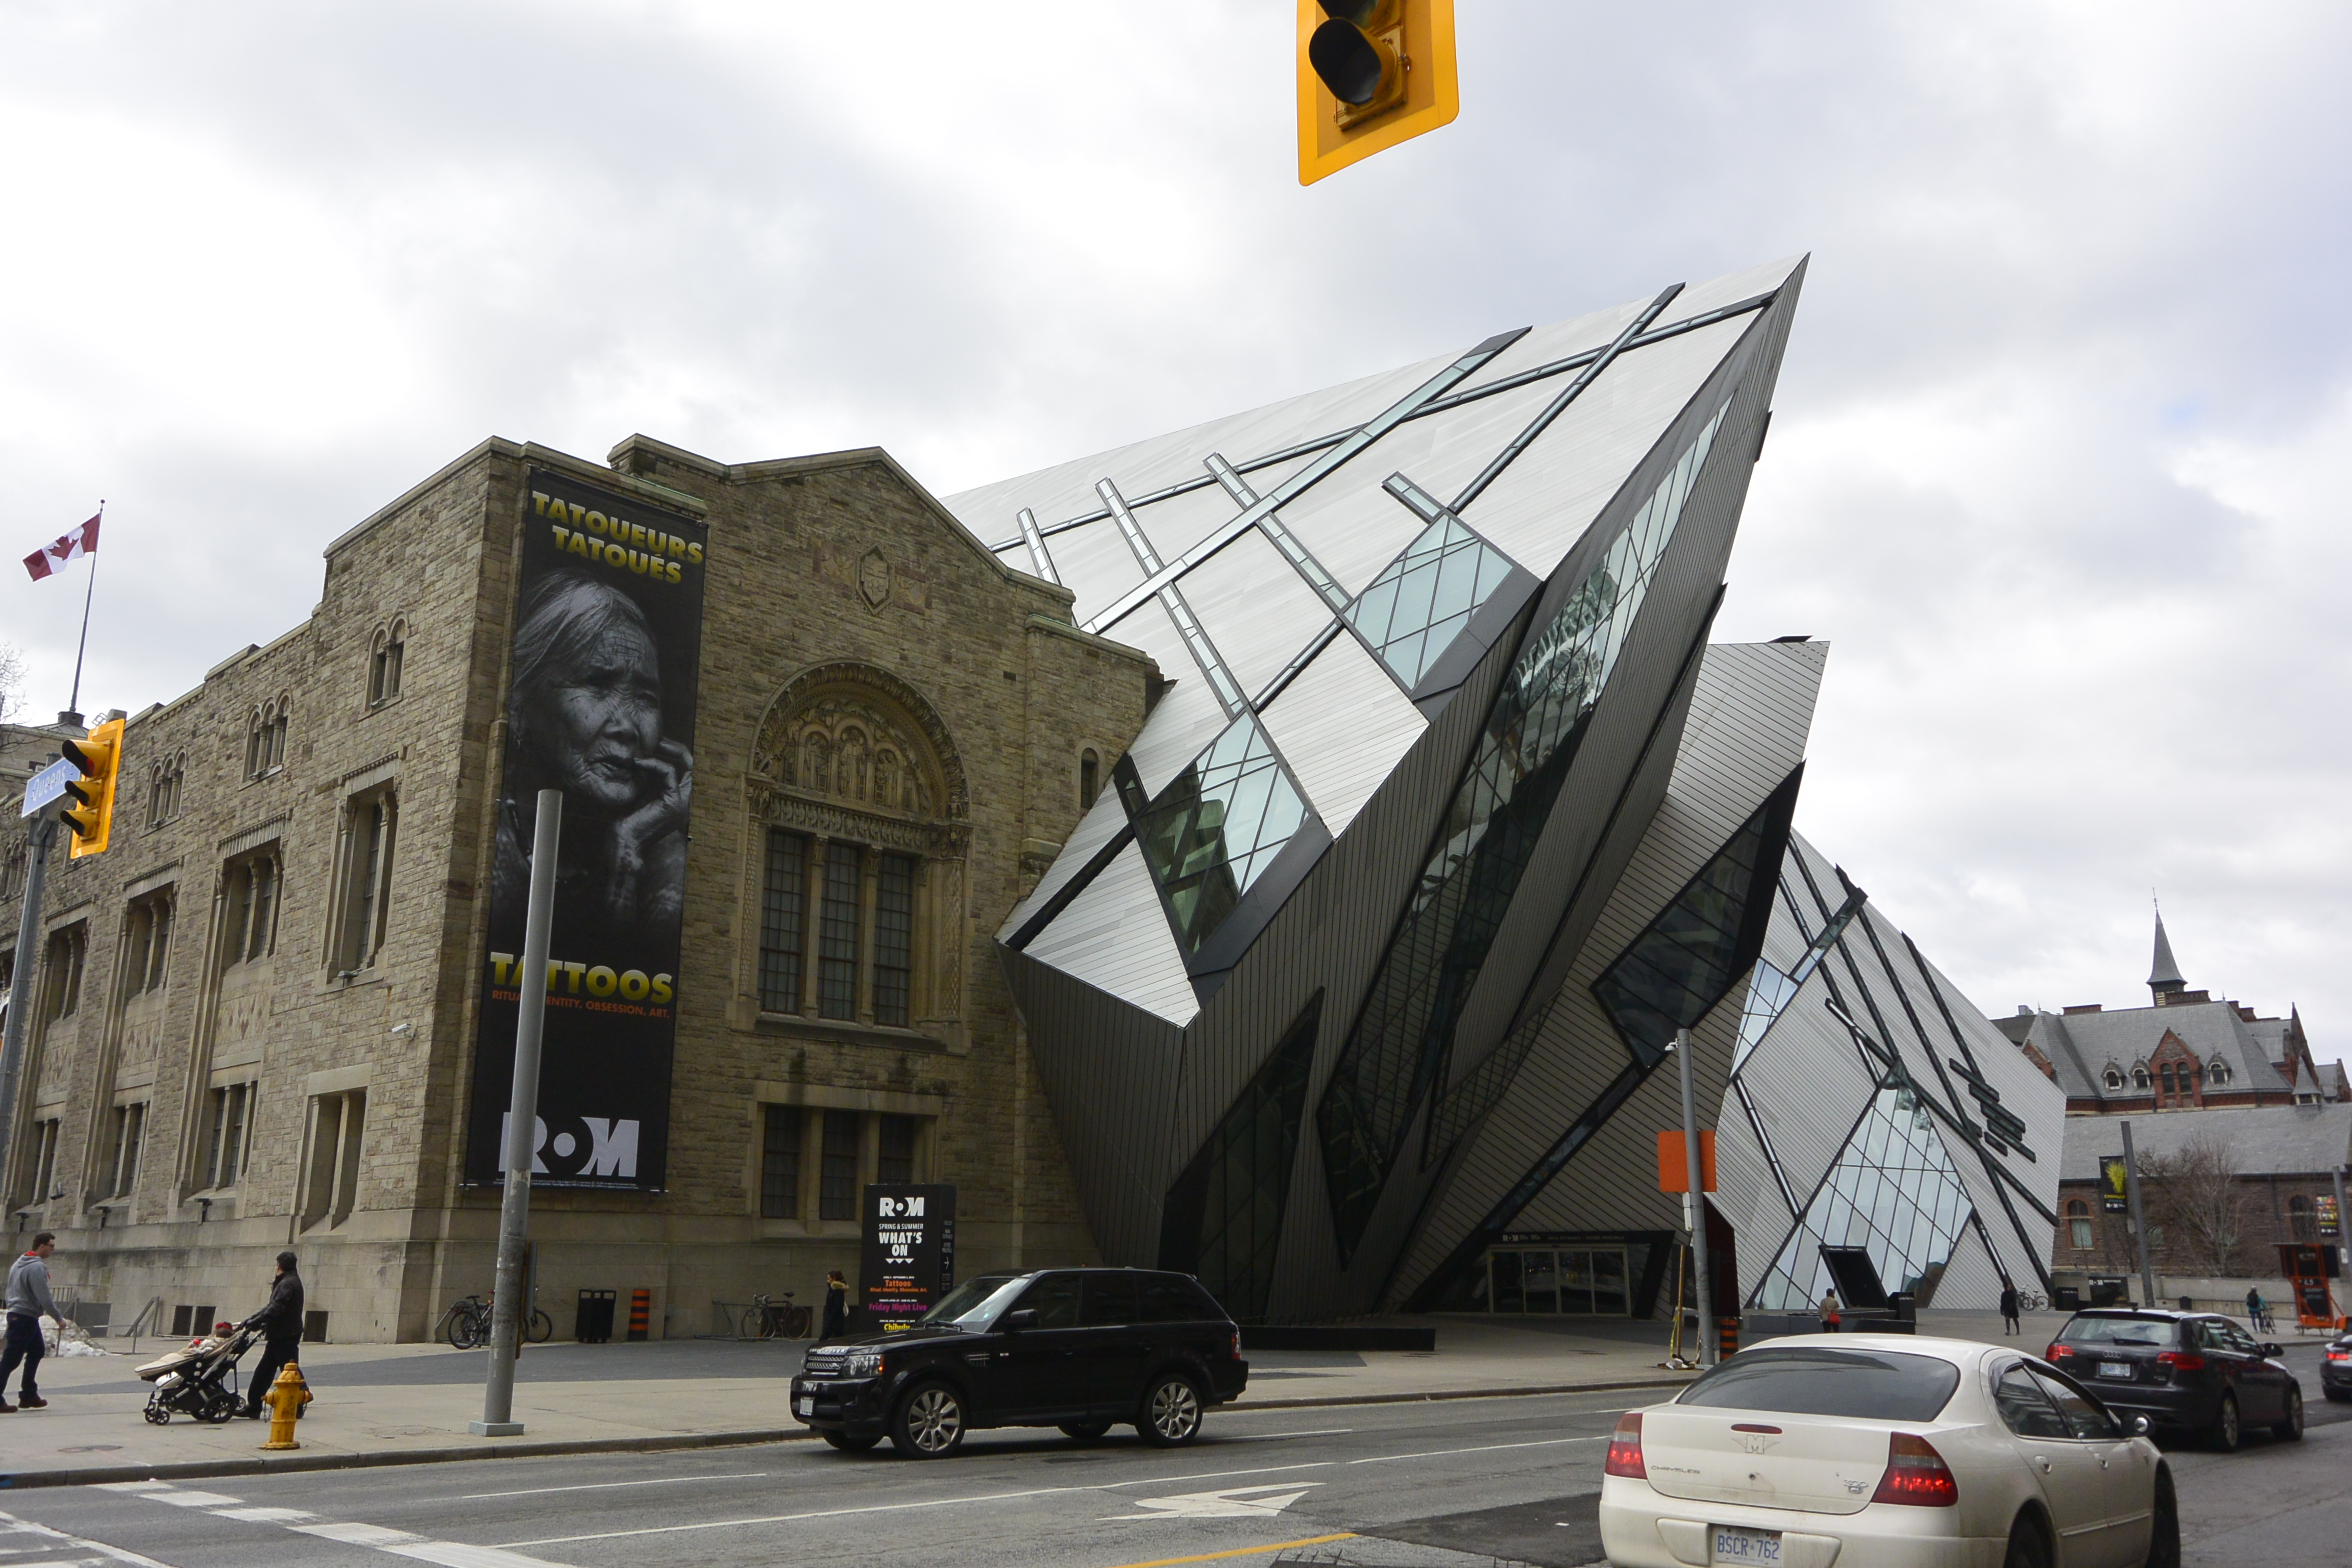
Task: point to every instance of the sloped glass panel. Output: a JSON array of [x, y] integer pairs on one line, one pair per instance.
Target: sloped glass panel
[[1768, 995], [1399, 1045], [1424, 598], [1222, 1220], [1893, 1192], [1217, 826]]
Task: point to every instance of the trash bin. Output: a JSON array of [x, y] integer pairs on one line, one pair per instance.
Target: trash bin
[[2066, 1298], [594, 1323]]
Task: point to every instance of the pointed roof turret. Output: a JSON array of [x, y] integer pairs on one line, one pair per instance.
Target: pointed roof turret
[[2164, 977]]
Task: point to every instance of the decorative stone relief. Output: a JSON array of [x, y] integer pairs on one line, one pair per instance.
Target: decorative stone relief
[[873, 578]]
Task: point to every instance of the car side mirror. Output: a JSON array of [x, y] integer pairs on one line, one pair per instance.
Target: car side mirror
[[2271, 1349], [1015, 1321], [2139, 1427]]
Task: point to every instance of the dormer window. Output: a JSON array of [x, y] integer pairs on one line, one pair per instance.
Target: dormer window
[[2113, 1078], [2139, 1078], [2217, 1073]]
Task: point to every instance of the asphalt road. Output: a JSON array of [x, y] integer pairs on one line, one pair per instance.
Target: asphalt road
[[1454, 1484]]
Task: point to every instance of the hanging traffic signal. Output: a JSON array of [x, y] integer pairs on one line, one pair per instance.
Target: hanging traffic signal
[[1372, 73], [91, 817]]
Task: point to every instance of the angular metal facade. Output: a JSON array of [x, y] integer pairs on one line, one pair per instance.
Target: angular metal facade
[[1311, 989]]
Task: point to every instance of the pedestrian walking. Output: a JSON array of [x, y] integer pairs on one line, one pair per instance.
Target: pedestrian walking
[[836, 1307], [2008, 1323], [1829, 1313], [280, 1323], [28, 1302], [2257, 1310]]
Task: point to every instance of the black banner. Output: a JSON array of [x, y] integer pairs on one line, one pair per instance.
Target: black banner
[[607, 654], [908, 1260]]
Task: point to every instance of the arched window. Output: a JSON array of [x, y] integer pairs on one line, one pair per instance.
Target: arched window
[[265, 742], [2078, 1224], [384, 662], [2139, 1076], [2300, 1220], [1089, 777], [2218, 1073], [2113, 1078], [2164, 1077], [163, 789]]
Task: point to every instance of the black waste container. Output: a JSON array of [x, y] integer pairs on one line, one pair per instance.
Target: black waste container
[[594, 1323], [2066, 1298]]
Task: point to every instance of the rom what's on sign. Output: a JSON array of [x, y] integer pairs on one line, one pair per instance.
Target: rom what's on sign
[[909, 1253]]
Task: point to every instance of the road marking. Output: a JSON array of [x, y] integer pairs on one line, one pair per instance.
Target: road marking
[[1483, 1449], [607, 1486], [1242, 1551], [107, 1554], [399, 1543], [1278, 1436], [1210, 1475], [1233, 1502], [265, 1515], [794, 1518], [178, 1499]]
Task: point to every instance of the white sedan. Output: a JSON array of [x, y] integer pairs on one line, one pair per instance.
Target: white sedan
[[1886, 1451]]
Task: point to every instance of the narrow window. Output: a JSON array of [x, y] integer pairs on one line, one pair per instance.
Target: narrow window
[[894, 935], [779, 1163], [225, 1153], [45, 1161], [338, 1122], [2078, 1224], [783, 921], [130, 1127], [261, 907], [1089, 778], [836, 1196], [62, 971], [896, 1161], [159, 944], [368, 880], [836, 971], [2164, 1076]]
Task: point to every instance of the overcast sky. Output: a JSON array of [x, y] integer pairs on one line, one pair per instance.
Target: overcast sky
[[2058, 464]]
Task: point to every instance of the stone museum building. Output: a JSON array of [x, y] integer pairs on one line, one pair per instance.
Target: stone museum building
[[1283, 850]]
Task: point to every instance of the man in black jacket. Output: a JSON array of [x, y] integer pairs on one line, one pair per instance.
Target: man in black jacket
[[280, 1323]]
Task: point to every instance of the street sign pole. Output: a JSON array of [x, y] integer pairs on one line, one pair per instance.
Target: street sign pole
[[1695, 1197], [20, 982], [2139, 1226], [509, 1312]]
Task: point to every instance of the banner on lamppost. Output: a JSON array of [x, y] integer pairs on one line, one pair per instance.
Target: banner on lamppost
[[908, 1259], [601, 705], [2114, 1185]]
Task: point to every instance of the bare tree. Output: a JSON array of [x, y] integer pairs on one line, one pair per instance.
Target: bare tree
[[12, 680], [2193, 1195]]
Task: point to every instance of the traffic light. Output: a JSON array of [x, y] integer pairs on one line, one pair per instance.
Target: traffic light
[[1372, 73], [91, 817]]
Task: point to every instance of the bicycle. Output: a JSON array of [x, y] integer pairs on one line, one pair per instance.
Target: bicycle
[[467, 1323], [764, 1321], [2033, 1301]]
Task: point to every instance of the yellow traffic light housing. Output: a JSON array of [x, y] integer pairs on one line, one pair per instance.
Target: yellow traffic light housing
[[91, 817], [1372, 73]]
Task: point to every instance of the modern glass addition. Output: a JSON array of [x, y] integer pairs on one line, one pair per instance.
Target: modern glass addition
[[1222, 1222], [1217, 826], [1893, 1192], [1399, 1045], [1424, 598]]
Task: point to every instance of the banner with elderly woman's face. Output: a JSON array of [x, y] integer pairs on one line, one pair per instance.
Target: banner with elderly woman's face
[[607, 647]]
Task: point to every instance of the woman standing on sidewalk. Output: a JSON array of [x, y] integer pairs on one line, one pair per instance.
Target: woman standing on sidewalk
[[1829, 1313]]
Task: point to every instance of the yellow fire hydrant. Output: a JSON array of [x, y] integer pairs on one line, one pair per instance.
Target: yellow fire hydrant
[[286, 1398]]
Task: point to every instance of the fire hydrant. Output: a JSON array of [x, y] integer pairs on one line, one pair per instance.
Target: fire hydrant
[[286, 1398]]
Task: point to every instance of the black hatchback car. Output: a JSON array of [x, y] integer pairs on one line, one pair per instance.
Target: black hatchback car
[[2335, 1369], [2191, 1373], [1081, 1349]]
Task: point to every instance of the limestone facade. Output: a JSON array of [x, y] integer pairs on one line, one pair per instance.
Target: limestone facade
[[254, 1015]]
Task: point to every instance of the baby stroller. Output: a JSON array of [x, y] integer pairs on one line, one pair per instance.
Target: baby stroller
[[200, 1378]]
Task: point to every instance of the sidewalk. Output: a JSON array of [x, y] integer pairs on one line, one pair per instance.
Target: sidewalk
[[410, 1404]]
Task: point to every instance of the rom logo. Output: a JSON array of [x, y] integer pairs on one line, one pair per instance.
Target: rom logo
[[581, 1146], [900, 1208]]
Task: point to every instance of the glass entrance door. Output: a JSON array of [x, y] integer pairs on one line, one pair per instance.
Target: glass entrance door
[[1572, 1282]]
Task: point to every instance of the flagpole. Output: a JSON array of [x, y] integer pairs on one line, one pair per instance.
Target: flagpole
[[73, 705]]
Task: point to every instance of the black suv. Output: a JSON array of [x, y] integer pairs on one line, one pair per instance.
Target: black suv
[[2191, 1373], [1081, 1349]]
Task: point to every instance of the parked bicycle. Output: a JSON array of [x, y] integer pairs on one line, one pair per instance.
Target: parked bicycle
[[2033, 1301], [762, 1320], [467, 1324]]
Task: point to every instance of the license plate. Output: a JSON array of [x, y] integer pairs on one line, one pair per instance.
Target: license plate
[[1732, 1544], [808, 1407], [2122, 1369]]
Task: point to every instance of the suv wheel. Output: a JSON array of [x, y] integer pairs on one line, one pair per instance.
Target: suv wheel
[[2226, 1431], [2290, 1427], [929, 1423], [1172, 1412]]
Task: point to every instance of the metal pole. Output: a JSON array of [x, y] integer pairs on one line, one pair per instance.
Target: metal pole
[[20, 982], [1701, 1290], [509, 1312], [2139, 1226]]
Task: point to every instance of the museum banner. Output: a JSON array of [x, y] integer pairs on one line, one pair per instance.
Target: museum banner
[[600, 704], [908, 1259]]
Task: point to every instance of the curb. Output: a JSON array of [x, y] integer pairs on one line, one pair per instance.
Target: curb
[[193, 1470]]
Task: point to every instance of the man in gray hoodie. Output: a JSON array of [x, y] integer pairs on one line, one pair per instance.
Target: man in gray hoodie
[[27, 1302]]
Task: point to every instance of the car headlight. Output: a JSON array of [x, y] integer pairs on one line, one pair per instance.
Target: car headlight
[[862, 1363]]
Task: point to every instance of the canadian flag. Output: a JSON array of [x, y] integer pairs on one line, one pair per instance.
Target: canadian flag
[[82, 541]]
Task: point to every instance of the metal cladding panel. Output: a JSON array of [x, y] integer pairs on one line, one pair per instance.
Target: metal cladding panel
[[1097, 829], [1971, 1280], [1558, 340], [1341, 725], [1114, 936], [1733, 287], [1095, 563], [1259, 613], [1181, 727], [1109, 1071], [1180, 521]]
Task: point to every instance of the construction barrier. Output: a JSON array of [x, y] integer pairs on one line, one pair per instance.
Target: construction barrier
[[641, 1311]]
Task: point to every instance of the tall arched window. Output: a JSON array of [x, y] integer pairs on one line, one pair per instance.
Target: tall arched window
[[2078, 1224], [264, 740], [384, 657], [2164, 1077]]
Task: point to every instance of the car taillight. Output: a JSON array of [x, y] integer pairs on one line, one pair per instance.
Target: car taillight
[[2183, 1361], [2339, 1356], [1237, 1344], [1625, 1448], [2058, 1352], [1916, 1474]]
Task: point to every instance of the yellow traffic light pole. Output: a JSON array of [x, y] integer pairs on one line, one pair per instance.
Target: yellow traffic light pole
[[1372, 73]]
